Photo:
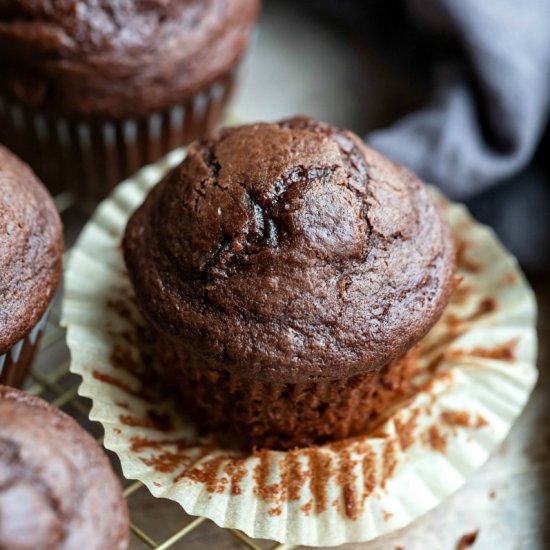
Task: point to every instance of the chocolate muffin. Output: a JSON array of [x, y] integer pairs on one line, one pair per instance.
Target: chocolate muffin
[[31, 248], [57, 488], [287, 271], [92, 90]]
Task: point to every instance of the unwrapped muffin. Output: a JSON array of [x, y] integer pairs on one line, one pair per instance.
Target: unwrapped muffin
[[57, 488], [92, 90], [287, 271], [31, 249]]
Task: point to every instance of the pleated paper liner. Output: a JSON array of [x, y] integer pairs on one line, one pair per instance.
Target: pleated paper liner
[[474, 376], [16, 362], [89, 157]]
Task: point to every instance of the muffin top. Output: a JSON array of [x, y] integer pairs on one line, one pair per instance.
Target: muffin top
[[118, 58], [290, 252], [57, 488], [31, 246]]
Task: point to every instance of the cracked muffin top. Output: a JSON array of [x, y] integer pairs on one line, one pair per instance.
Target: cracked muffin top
[[57, 488], [118, 58], [31, 248], [290, 252]]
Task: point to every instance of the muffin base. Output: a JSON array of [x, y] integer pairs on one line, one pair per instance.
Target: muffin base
[[281, 416], [16, 362], [90, 157]]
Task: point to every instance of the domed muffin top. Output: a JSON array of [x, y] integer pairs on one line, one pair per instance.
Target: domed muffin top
[[57, 489], [290, 252], [31, 246], [118, 58]]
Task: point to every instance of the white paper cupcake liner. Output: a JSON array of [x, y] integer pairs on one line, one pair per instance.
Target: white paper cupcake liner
[[475, 374], [15, 363]]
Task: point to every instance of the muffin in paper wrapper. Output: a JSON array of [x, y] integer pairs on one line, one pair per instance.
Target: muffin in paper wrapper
[[474, 375], [16, 362], [89, 157]]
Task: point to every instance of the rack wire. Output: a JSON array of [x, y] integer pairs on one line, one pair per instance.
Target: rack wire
[[154, 523]]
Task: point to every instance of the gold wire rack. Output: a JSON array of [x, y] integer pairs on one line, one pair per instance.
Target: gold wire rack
[[154, 523]]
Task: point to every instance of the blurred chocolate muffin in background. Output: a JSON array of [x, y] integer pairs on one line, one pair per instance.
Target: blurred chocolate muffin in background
[[92, 91], [287, 271], [57, 488], [31, 254]]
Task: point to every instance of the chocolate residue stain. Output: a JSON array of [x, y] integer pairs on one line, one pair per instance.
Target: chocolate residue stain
[[442, 342], [463, 419], [389, 461], [456, 418], [113, 381], [141, 443], [369, 473], [153, 420], [509, 279], [236, 471], [293, 476], [265, 490], [187, 457], [502, 352], [461, 260], [166, 461], [467, 540], [122, 405], [117, 431], [347, 478], [307, 507], [320, 464], [386, 515], [405, 429], [485, 306], [436, 439], [350, 501], [277, 511], [480, 422], [492, 494], [206, 473], [435, 363]]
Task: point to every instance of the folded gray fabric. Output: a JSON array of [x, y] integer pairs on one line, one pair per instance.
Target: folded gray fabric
[[489, 111]]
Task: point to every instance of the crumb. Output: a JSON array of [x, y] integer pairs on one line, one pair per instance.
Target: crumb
[[467, 540], [399, 547], [436, 439], [387, 515], [492, 494]]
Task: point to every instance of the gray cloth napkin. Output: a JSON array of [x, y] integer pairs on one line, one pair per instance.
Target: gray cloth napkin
[[488, 111]]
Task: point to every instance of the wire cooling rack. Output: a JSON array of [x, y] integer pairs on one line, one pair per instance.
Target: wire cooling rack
[[154, 523]]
